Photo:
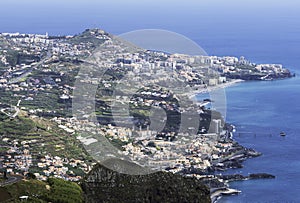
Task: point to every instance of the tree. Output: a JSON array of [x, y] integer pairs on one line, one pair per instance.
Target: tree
[[31, 176]]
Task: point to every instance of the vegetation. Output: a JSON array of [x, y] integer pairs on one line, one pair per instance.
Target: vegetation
[[3, 149], [117, 143], [53, 190], [155, 187], [63, 191], [49, 138], [17, 126]]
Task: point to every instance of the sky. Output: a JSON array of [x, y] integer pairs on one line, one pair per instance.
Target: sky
[[233, 27], [73, 16]]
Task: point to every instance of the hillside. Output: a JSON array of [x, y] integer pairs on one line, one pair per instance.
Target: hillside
[[105, 185], [52, 190]]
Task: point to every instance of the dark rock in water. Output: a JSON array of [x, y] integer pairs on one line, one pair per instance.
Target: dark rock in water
[[261, 176], [105, 185], [236, 177]]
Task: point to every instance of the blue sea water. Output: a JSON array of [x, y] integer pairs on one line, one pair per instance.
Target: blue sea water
[[265, 109], [263, 31], [260, 111]]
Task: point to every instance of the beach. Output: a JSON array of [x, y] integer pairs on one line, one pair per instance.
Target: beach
[[207, 89]]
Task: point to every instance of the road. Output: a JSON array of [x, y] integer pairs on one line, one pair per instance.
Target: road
[[18, 79], [17, 110], [3, 111], [11, 180]]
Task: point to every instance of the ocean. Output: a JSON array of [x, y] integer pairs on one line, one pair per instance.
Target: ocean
[[262, 31], [260, 111]]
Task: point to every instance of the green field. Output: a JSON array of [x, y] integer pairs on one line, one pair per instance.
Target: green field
[[53, 190]]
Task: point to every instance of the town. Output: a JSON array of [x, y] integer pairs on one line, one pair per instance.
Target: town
[[38, 77]]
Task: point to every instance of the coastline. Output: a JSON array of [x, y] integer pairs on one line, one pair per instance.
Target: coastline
[[219, 86], [234, 161], [207, 89], [231, 157], [217, 194], [239, 154]]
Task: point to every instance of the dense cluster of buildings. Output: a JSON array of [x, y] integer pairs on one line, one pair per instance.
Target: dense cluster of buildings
[[178, 73], [17, 159]]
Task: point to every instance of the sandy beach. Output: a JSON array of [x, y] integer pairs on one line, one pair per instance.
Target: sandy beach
[[207, 89]]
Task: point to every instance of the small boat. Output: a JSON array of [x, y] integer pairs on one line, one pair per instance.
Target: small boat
[[282, 134]]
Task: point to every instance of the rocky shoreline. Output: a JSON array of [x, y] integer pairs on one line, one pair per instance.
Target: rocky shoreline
[[217, 193], [236, 159], [219, 183], [233, 158]]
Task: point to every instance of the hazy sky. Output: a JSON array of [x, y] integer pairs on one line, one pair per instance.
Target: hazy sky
[[112, 15], [233, 27]]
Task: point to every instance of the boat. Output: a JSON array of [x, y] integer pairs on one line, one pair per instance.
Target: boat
[[282, 134]]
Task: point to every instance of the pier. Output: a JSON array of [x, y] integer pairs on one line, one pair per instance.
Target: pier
[[253, 134]]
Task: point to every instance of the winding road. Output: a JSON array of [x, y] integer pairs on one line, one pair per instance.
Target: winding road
[[11, 180]]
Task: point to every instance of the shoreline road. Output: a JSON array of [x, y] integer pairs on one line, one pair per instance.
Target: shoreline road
[[11, 180]]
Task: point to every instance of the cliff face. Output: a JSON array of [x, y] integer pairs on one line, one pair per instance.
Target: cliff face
[[105, 185]]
